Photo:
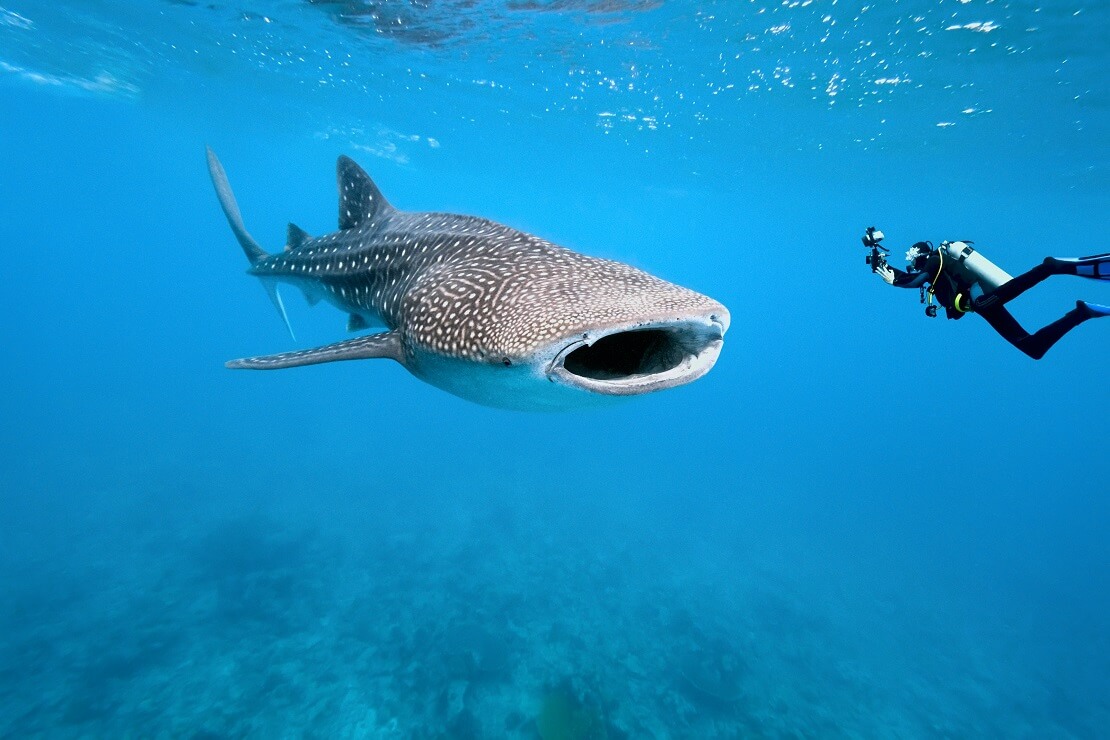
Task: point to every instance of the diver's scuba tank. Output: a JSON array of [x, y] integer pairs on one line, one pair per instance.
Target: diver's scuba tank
[[970, 267]]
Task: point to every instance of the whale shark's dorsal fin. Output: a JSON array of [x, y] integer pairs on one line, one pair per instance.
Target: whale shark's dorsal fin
[[360, 201], [296, 237]]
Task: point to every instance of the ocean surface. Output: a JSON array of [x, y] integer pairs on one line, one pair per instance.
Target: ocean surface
[[863, 523]]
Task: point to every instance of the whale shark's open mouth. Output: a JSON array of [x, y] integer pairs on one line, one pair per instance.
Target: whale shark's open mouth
[[641, 358]]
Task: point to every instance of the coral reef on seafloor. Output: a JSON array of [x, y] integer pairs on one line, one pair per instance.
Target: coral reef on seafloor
[[564, 716]]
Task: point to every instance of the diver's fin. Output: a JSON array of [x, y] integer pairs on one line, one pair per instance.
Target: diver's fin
[[360, 201], [231, 209], [296, 237], [275, 298], [1093, 310], [385, 345], [1095, 266], [355, 322]]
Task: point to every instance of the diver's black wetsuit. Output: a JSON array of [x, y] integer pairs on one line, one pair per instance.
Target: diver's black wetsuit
[[954, 296], [943, 286]]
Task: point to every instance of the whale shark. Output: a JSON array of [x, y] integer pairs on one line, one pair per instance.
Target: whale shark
[[483, 311]]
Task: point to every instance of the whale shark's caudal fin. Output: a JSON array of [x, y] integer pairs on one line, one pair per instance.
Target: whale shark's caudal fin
[[235, 219], [275, 298], [231, 209]]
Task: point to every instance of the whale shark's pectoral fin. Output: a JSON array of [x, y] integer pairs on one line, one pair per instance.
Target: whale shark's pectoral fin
[[373, 346]]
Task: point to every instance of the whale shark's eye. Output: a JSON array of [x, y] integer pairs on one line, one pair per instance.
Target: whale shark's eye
[[506, 361]]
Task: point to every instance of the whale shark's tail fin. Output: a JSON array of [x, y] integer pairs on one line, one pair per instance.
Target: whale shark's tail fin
[[271, 288], [235, 219], [231, 209]]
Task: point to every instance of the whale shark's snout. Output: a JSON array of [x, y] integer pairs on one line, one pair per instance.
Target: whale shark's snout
[[641, 357]]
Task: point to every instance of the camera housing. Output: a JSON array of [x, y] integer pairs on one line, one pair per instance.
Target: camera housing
[[877, 257], [872, 237]]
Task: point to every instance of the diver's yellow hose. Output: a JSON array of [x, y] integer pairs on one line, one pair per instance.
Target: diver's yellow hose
[[933, 282]]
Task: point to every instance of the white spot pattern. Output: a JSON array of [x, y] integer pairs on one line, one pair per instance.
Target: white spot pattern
[[468, 287]]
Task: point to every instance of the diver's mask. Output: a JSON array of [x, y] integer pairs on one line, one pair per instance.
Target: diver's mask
[[917, 255]]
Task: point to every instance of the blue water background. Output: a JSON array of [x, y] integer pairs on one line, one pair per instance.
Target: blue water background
[[861, 523]]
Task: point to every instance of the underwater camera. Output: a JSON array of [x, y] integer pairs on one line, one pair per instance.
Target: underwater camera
[[877, 257]]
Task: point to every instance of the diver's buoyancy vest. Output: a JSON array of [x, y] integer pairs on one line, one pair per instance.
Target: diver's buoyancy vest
[[969, 267]]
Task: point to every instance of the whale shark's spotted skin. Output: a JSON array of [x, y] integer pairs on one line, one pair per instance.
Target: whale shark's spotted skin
[[468, 291]]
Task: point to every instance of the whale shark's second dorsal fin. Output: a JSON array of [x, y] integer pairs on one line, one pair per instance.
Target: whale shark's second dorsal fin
[[296, 237], [360, 201]]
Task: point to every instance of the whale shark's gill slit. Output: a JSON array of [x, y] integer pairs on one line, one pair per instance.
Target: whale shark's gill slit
[[630, 354]]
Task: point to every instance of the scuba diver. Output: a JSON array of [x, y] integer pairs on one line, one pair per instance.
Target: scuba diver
[[964, 281]]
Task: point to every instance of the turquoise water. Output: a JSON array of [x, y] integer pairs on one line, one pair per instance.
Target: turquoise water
[[862, 523]]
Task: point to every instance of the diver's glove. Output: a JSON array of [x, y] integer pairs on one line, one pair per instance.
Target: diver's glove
[[886, 273]]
